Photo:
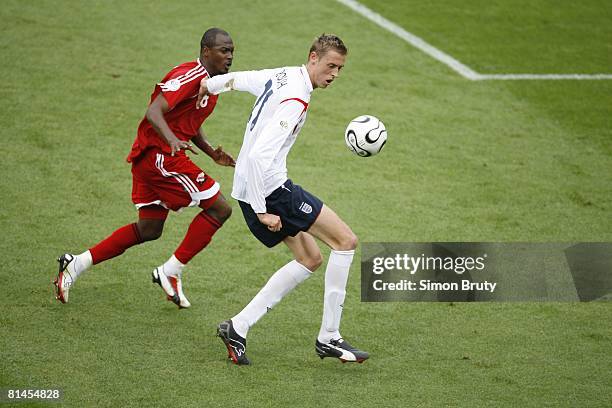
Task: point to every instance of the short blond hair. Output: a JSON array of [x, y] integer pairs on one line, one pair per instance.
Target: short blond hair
[[325, 42]]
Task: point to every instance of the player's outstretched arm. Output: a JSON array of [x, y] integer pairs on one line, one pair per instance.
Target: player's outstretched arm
[[218, 155], [155, 116], [253, 82]]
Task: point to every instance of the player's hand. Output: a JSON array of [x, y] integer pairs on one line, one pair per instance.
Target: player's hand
[[273, 222], [202, 99], [178, 145], [222, 158]]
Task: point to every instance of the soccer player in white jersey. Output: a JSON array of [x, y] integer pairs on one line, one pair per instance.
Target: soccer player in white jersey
[[277, 210]]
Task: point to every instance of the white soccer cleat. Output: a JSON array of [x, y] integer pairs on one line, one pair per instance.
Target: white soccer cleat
[[171, 286], [177, 285], [65, 277]]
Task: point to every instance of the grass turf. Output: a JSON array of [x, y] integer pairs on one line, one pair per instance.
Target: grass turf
[[488, 161]]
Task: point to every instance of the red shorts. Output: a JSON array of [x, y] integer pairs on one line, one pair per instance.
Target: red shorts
[[173, 182]]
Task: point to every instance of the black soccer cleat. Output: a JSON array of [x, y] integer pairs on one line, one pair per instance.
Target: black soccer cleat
[[341, 350], [236, 345]]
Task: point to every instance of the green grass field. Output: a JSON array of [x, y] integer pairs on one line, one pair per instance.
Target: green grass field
[[465, 161]]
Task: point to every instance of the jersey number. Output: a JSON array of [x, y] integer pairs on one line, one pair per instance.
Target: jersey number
[[263, 98]]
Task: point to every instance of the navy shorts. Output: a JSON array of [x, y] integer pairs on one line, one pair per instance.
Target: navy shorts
[[297, 208]]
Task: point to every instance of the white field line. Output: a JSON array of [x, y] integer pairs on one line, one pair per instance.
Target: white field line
[[510, 77], [451, 62]]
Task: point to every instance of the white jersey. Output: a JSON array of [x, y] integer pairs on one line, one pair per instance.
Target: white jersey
[[278, 115]]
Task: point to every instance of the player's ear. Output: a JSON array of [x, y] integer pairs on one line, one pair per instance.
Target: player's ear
[[313, 57]]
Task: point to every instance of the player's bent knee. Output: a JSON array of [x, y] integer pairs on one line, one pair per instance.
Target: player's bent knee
[[225, 212], [220, 212], [312, 262], [316, 262], [153, 235], [348, 242], [150, 232]]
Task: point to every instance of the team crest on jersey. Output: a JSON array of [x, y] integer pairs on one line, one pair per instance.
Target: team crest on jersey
[[284, 124], [171, 85], [305, 208], [201, 177]]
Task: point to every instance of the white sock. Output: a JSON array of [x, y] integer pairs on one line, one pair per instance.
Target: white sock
[[81, 263], [336, 276], [282, 282], [173, 266]]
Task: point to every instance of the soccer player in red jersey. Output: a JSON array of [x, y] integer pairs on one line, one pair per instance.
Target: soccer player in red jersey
[[163, 176]]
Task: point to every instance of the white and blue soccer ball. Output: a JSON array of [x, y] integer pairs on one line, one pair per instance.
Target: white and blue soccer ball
[[365, 135]]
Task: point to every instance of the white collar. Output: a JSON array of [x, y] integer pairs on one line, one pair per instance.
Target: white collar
[[304, 72]]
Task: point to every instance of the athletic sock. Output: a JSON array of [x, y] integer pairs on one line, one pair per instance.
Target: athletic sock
[[280, 284], [199, 234], [172, 266], [336, 276], [116, 244], [81, 263]]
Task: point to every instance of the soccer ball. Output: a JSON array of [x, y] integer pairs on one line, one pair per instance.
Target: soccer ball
[[365, 135]]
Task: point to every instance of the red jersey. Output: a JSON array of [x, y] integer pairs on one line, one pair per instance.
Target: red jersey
[[180, 88]]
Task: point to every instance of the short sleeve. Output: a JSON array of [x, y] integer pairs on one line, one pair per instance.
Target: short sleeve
[[180, 87]]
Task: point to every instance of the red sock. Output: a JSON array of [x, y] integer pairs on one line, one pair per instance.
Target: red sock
[[199, 234], [116, 244]]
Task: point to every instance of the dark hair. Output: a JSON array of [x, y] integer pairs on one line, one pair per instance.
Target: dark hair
[[210, 36], [326, 42]]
